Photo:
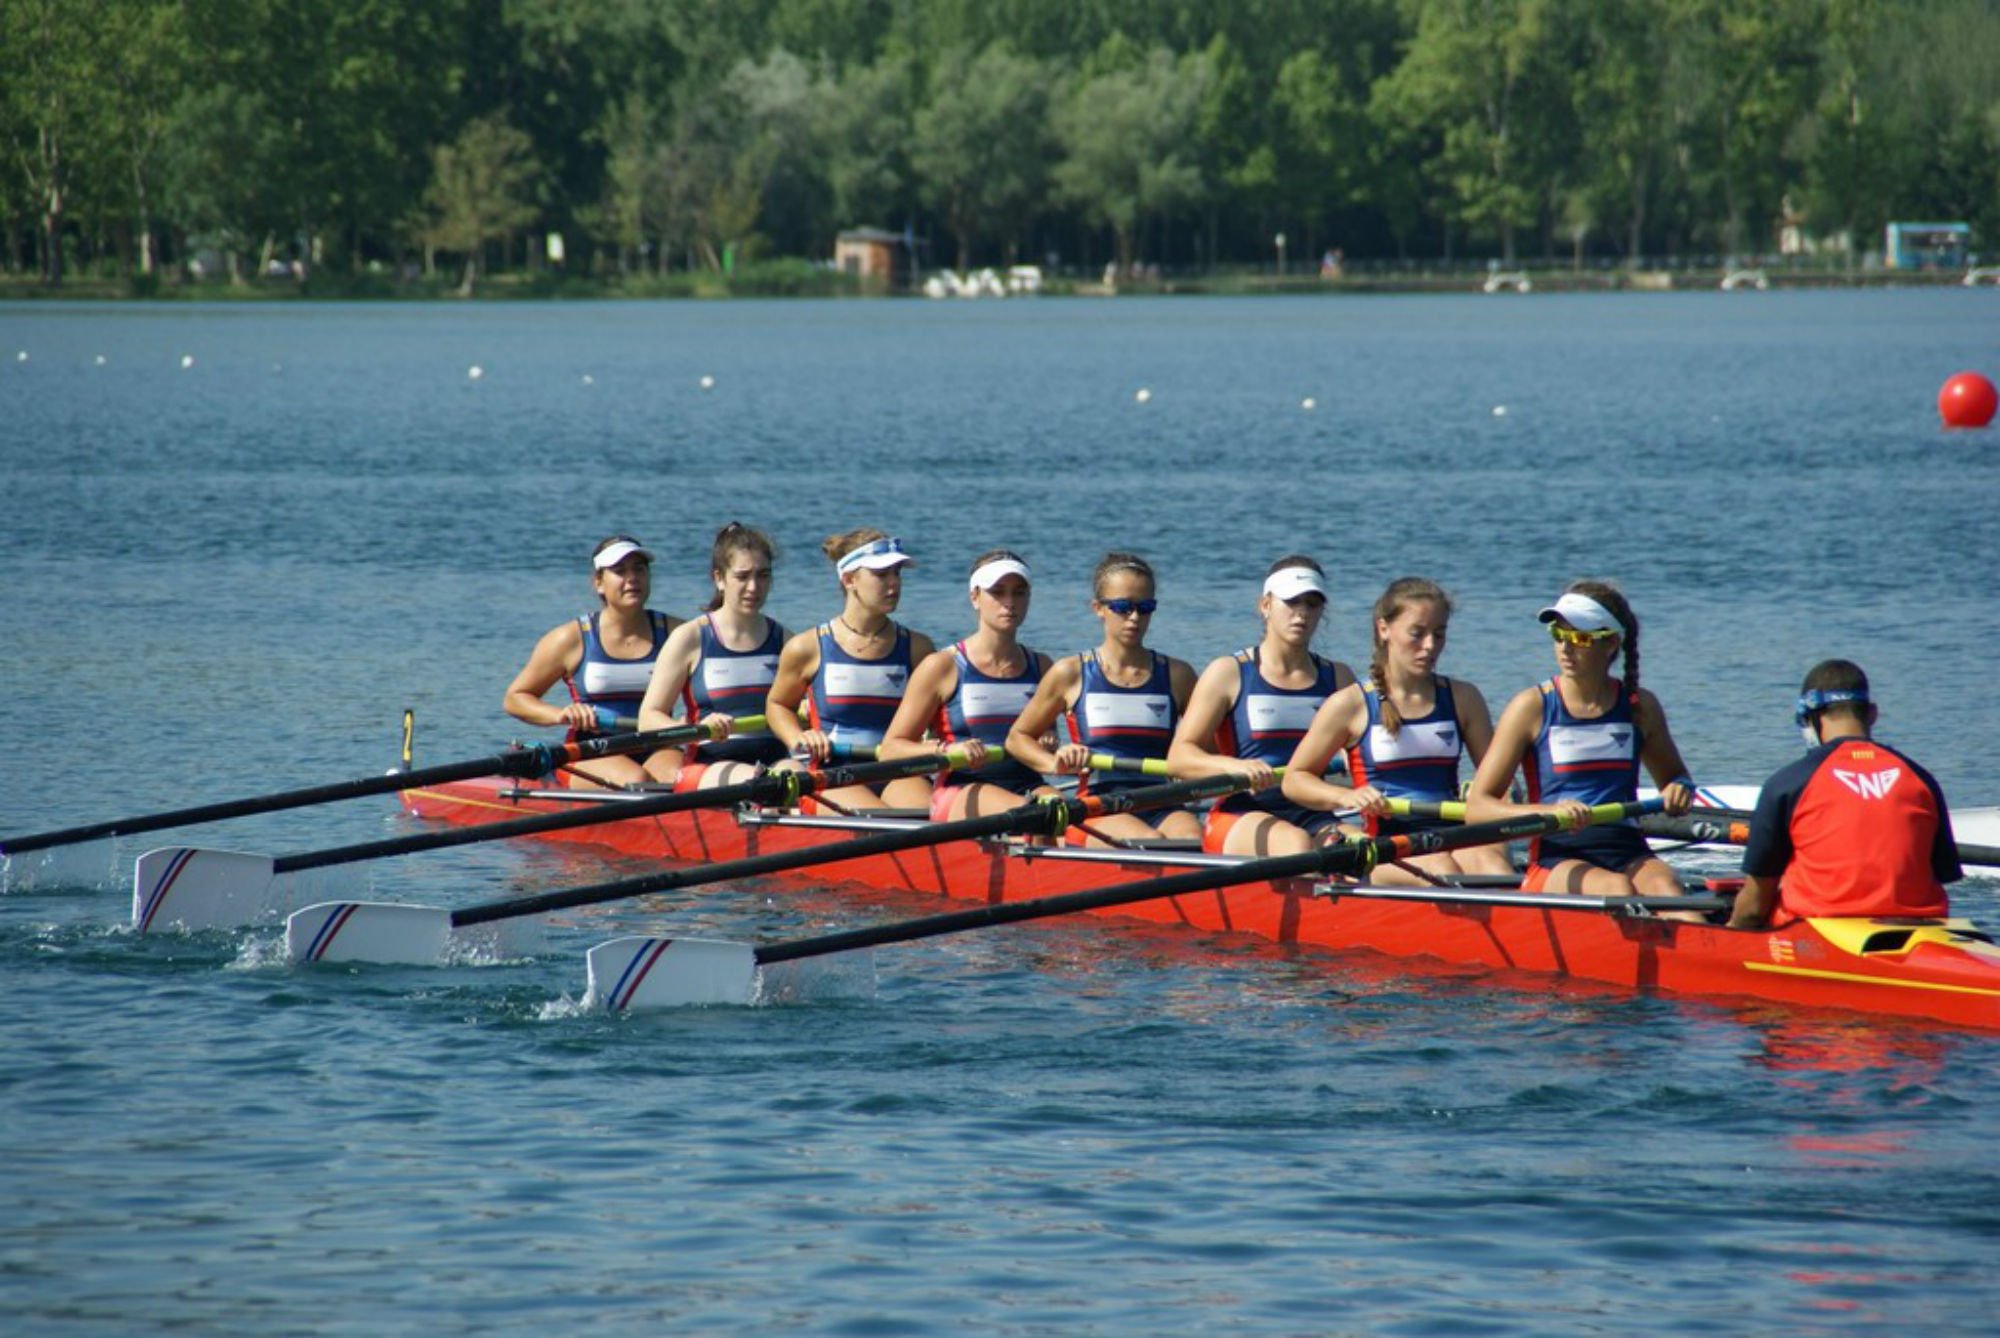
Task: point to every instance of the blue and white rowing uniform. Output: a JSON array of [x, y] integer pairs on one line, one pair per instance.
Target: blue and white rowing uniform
[[612, 685], [1267, 723], [1419, 762], [1595, 761], [1126, 722], [985, 708], [852, 701], [734, 683]]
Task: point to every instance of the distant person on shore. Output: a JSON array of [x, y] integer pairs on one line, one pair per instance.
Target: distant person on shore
[[1853, 828], [1333, 264], [1581, 737], [605, 658]]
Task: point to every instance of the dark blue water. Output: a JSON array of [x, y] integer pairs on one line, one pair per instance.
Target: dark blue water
[[229, 577]]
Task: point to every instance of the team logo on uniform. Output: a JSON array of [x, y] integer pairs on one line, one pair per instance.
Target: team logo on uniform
[[1869, 784], [1448, 735], [1157, 708], [1620, 736]]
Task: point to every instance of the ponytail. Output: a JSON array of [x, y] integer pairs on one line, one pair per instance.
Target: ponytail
[[1401, 593], [1613, 599]]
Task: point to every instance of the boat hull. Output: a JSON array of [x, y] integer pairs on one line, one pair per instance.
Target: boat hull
[[1936, 971]]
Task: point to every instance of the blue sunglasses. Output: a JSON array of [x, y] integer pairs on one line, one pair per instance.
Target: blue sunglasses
[[1125, 608]]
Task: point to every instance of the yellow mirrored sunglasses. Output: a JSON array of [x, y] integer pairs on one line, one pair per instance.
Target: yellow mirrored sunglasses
[[1570, 636]]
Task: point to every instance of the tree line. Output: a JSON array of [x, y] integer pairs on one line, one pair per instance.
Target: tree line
[[657, 135]]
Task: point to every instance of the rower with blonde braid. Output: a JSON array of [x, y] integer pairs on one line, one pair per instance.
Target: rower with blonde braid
[[1404, 733]]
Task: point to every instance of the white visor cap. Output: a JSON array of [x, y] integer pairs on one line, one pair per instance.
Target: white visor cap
[[987, 574], [879, 555], [1288, 583], [1583, 613], [618, 552]]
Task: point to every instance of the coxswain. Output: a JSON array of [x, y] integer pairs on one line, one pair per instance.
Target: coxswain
[[1120, 699], [1404, 733], [970, 695], [1581, 738], [1853, 828], [718, 667], [850, 674], [1248, 713], [606, 658]]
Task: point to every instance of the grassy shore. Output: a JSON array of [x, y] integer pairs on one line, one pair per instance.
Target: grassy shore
[[800, 278]]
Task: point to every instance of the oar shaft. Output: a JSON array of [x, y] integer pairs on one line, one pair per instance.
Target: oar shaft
[[1044, 816], [534, 760], [1324, 862], [1731, 826]]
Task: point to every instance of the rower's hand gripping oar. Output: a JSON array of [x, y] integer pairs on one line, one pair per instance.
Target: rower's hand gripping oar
[[413, 935], [533, 760], [665, 972], [190, 888]]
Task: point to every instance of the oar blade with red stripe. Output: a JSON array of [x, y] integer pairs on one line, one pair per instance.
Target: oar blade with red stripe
[[368, 931], [191, 888], [640, 972]]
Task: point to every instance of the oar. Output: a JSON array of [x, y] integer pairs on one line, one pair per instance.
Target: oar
[[413, 935], [646, 972], [1731, 826], [534, 760], [195, 888]]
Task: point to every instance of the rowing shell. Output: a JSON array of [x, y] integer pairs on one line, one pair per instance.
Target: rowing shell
[[1944, 971]]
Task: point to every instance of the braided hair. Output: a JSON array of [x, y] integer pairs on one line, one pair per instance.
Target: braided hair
[[1613, 599], [1401, 593]]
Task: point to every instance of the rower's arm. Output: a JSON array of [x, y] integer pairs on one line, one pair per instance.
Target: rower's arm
[[1486, 800], [797, 663], [1662, 756], [670, 676], [1192, 755], [931, 686], [1754, 903], [1055, 692], [557, 654], [1334, 727]]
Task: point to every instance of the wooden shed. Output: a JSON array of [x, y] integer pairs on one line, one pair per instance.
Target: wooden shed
[[876, 257]]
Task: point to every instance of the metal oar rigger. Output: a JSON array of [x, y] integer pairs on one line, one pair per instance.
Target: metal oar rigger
[[661, 972], [417, 935]]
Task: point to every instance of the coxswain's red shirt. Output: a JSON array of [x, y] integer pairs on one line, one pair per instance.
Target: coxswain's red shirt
[[1854, 828]]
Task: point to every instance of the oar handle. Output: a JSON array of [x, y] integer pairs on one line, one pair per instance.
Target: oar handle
[[1449, 810], [1327, 861], [1145, 766], [534, 760]]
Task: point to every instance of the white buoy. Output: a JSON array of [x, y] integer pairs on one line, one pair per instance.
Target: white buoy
[[22, 356], [1142, 395], [100, 360], [187, 361], [589, 380], [474, 372], [1309, 404], [708, 383], [1499, 411]]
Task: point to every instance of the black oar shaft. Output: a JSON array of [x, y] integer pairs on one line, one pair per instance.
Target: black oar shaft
[[1731, 826], [1030, 819], [1324, 862], [530, 761]]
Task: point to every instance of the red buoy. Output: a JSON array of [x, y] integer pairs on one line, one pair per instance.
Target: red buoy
[[1967, 400]]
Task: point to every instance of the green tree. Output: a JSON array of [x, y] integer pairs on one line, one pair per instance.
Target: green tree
[[981, 145], [1128, 133], [481, 191]]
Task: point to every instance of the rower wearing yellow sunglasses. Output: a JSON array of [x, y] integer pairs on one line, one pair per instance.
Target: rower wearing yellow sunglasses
[[1581, 738]]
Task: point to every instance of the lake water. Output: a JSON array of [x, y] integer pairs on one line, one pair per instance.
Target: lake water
[[236, 541]]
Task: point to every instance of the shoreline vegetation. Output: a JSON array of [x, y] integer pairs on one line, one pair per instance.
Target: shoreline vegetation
[[803, 279], [702, 147]]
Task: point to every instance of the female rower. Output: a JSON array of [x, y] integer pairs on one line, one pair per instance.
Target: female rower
[[720, 665], [972, 693], [851, 672], [1404, 733], [1120, 697], [1582, 736], [605, 657], [1256, 705]]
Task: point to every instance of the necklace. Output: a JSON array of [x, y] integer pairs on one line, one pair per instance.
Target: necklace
[[841, 618]]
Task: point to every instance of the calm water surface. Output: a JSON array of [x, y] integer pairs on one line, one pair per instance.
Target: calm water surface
[[230, 576]]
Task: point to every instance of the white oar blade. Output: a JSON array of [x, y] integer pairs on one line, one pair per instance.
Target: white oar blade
[[627, 974], [188, 888], [368, 931]]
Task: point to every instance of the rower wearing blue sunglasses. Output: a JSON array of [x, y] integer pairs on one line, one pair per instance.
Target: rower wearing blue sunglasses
[[1121, 698]]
